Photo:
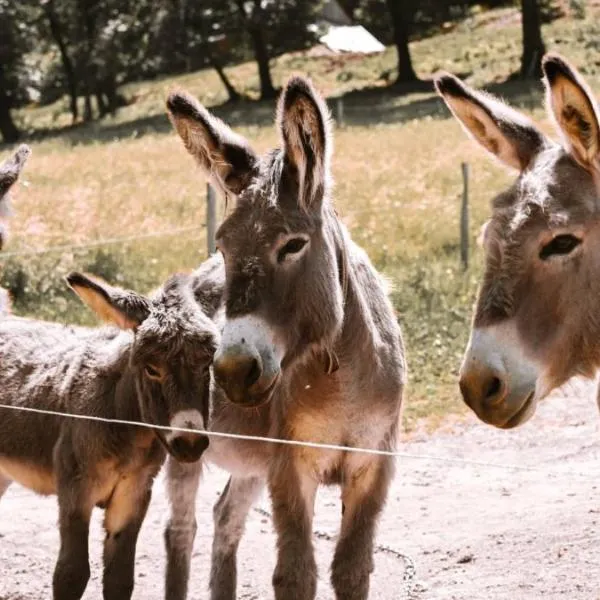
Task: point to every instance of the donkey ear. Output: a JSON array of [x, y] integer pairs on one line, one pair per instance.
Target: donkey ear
[[225, 156], [11, 168], [501, 130], [573, 108], [304, 123], [125, 309]]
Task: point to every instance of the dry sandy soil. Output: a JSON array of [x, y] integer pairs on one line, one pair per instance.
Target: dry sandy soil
[[470, 531]]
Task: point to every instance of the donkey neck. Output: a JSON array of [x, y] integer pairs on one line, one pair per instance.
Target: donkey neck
[[116, 379], [355, 274]]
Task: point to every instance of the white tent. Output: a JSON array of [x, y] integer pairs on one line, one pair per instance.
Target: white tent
[[342, 35]]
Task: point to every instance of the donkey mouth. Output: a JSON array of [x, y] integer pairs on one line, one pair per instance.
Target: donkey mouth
[[522, 415], [253, 398]]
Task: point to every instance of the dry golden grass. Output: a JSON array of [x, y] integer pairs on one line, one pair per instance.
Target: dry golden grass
[[398, 187]]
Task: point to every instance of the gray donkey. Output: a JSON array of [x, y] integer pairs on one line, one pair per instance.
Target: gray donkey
[[9, 173], [310, 351], [154, 367]]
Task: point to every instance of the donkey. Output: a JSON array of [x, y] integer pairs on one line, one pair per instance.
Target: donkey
[[536, 318], [154, 368], [9, 173], [310, 351]]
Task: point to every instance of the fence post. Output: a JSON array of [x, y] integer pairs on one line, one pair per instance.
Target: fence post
[[464, 218], [211, 219], [339, 111]]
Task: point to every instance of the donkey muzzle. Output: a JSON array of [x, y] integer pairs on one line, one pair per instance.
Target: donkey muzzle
[[496, 380], [239, 371]]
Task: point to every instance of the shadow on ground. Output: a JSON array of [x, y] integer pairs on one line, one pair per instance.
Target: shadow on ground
[[365, 107]]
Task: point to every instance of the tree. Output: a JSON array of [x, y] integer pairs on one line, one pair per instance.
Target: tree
[[273, 28], [533, 44], [401, 14], [57, 33], [254, 20], [13, 44]]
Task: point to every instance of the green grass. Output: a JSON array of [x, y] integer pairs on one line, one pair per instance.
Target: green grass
[[396, 166]]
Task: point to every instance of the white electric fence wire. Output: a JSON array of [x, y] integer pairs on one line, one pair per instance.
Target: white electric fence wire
[[305, 444]]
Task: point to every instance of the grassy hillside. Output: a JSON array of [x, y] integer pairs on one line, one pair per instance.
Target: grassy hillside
[[398, 185]]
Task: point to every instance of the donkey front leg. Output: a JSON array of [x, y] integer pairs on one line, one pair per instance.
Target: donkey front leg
[[122, 522], [364, 493], [293, 490], [72, 570], [182, 487], [230, 515]]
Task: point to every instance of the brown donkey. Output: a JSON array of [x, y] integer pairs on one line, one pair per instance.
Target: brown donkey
[[10, 170], [153, 367], [536, 319], [311, 351]]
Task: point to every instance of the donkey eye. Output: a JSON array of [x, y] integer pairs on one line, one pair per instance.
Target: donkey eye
[[561, 244], [152, 372], [293, 246]]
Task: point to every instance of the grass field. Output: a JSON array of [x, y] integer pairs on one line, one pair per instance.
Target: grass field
[[398, 185]]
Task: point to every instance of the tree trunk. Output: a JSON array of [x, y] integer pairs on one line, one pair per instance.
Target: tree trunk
[[231, 91], [56, 31], [533, 44], [8, 129], [400, 16], [254, 26], [267, 90]]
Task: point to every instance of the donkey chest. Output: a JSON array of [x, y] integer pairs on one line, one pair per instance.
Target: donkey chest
[[143, 459]]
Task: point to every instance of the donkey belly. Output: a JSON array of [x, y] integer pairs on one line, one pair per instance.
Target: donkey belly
[[38, 478]]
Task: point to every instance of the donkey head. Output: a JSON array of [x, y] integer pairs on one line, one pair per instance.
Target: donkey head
[[172, 350], [283, 296], [536, 319], [10, 170]]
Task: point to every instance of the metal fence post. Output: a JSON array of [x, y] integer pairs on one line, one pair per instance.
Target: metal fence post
[[464, 218], [211, 219], [339, 111]]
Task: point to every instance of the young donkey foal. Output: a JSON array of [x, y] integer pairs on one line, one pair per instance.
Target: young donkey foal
[[155, 371], [9, 173], [536, 321], [310, 350]]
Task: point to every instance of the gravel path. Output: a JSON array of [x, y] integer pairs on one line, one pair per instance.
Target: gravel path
[[472, 532]]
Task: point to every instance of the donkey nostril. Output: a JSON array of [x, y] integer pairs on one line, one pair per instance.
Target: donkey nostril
[[253, 374], [493, 388], [179, 445]]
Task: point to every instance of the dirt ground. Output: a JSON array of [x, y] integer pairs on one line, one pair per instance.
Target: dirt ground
[[470, 531]]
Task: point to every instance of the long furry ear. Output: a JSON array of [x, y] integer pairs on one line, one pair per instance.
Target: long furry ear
[[574, 110], [125, 309], [504, 132], [304, 122], [224, 156], [10, 170]]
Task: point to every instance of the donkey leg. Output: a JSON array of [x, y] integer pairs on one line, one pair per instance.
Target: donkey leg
[[230, 515], [72, 570], [182, 486], [364, 493], [293, 491], [122, 522]]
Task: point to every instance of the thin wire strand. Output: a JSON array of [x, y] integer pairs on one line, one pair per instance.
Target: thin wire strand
[[315, 445], [103, 242]]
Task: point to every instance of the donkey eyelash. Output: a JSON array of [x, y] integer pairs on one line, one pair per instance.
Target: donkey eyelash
[[152, 372], [561, 245], [292, 246]]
